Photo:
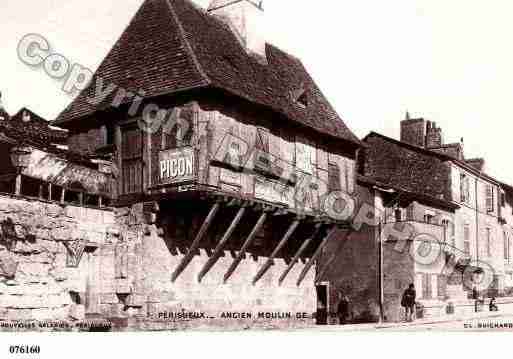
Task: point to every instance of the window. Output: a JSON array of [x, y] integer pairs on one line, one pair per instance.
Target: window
[[107, 133], [410, 212], [489, 198], [427, 290], [466, 239], [398, 214], [448, 232], [488, 242], [465, 188], [132, 164], [441, 286], [178, 130], [303, 100], [429, 218], [506, 246], [300, 97], [334, 177]]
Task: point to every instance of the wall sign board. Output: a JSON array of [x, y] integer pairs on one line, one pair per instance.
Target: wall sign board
[[177, 166], [274, 192]]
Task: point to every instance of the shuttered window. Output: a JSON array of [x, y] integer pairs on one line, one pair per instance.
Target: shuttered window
[[442, 286], [427, 291], [449, 232], [488, 242], [410, 212], [466, 239], [506, 246], [464, 188], [132, 161], [489, 199]]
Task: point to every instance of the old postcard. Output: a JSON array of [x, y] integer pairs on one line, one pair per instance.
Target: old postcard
[[186, 165]]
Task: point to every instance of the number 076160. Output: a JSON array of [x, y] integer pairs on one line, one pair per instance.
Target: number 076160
[[24, 349]]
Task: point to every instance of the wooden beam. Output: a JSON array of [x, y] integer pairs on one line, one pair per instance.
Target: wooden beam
[[197, 241], [63, 195], [17, 189], [49, 191], [315, 256], [220, 246], [40, 193], [245, 247], [300, 251], [280, 246]]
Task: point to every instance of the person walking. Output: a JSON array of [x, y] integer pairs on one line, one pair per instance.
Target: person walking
[[343, 309], [408, 302]]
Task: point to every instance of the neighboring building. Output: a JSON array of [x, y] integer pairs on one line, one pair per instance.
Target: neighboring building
[[426, 190], [53, 220], [224, 192]]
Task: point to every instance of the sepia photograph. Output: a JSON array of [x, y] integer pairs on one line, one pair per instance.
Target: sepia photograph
[[211, 166]]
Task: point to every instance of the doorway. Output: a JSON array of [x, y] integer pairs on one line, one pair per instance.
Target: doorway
[[322, 290]]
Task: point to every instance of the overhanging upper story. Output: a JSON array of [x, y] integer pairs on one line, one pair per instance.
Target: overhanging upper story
[[212, 113]]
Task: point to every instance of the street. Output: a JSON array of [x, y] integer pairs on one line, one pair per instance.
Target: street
[[480, 322]]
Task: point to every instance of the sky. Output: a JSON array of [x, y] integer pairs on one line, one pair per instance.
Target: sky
[[449, 61]]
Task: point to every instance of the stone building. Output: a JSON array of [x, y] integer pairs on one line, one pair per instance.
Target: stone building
[[52, 222], [215, 153], [440, 222]]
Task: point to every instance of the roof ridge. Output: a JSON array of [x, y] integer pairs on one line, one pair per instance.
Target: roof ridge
[[186, 43]]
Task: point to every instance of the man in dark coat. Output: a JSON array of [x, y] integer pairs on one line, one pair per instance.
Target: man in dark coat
[[408, 302], [343, 310]]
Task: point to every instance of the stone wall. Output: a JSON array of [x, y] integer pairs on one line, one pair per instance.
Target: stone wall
[[354, 273], [124, 274], [36, 282], [158, 298], [350, 265]]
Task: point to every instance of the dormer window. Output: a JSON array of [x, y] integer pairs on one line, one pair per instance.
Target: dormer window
[[300, 97]]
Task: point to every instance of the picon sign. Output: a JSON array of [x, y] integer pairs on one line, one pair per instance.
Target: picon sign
[[177, 166]]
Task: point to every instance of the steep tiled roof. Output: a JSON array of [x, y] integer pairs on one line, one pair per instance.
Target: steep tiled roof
[[172, 45], [38, 133], [405, 166], [409, 167], [34, 129]]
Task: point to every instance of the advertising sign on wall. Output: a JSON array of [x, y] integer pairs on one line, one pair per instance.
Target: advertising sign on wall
[[177, 166]]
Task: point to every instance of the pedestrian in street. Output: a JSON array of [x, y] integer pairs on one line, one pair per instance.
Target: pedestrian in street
[[493, 305], [408, 302], [343, 309]]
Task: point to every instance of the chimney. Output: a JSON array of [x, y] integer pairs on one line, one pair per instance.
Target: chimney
[[26, 117], [246, 20], [433, 136], [413, 131]]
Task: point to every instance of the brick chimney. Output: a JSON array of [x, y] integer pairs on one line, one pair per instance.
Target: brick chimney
[[247, 21], [413, 131]]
